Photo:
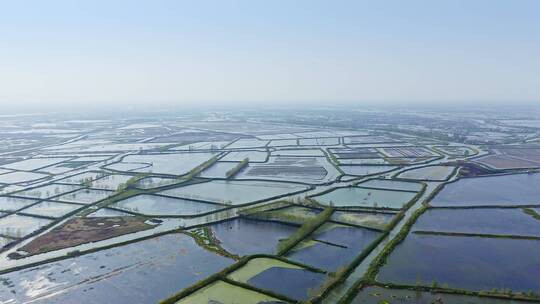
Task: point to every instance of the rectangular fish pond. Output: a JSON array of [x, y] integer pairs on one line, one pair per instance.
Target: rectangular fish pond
[[279, 277], [243, 236], [365, 197], [161, 205], [142, 272], [470, 263], [332, 246], [513, 189], [380, 295], [234, 192], [480, 220], [221, 292]]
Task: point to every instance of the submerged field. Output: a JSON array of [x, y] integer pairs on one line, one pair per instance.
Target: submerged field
[[469, 263]]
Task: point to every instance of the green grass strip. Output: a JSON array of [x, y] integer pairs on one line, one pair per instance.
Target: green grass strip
[[305, 230]]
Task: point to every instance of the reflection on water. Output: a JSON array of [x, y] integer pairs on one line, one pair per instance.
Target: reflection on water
[[142, 272]]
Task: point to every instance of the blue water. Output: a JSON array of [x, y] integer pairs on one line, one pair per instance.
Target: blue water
[[488, 221], [245, 236], [294, 283], [142, 272], [471, 263], [512, 189], [328, 257]]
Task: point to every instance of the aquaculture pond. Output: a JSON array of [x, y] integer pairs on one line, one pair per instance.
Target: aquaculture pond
[[128, 166], [513, 189], [203, 145], [85, 196], [341, 245], [392, 185], [248, 143], [365, 197], [366, 219], [318, 141], [351, 237], [4, 241], [234, 192], [20, 177], [161, 205], [280, 277], [82, 177], [47, 191], [20, 225], [218, 170], [313, 170], [298, 152], [243, 236], [254, 156], [363, 161], [155, 182], [471, 263], [12, 203], [435, 173], [292, 214], [283, 142], [141, 272], [485, 220], [380, 295], [110, 182], [221, 292], [64, 167], [359, 170], [34, 163], [51, 209], [175, 164], [321, 255]]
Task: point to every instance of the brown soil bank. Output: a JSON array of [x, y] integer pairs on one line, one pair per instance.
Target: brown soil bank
[[78, 231]]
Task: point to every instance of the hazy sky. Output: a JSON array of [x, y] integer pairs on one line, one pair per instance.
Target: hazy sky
[[199, 52]]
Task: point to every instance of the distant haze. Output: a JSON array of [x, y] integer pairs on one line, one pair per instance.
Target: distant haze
[[72, 54]]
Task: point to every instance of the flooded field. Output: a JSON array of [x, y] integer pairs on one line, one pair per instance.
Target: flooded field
[[51, 209], [333, 246], [17, 226], [173, 164], [155, 182], [280, 277], [484, 221], [366, 170], [12, 203], [226, 293], [161, 205], [366, 219], [21, 177], [470, 263], [234, 192], [514, 189], [365, 197], [378, 295], [142, 272], [48, 191], [392, 185], [243, 236], [85, 196], [434, 173]]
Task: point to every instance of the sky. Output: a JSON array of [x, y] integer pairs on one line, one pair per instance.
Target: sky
[[68, 54]]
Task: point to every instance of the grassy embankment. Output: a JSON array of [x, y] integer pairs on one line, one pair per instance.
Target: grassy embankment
[[304, 231], [241, 165]]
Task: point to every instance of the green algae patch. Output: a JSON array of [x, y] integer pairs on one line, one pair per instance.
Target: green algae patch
[[225, 293], [256, 266]]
